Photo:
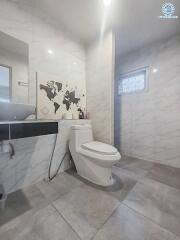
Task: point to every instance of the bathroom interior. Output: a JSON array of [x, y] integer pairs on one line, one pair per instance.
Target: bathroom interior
[[89, 121]]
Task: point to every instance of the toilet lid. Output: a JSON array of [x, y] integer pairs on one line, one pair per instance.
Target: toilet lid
[[100, 148]]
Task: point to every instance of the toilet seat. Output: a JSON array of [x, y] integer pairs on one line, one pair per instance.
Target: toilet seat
[[104, 160], [100, 148], [93, 159]]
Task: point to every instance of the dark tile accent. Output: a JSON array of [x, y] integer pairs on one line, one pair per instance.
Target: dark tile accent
[[23, 130], [4, 132]]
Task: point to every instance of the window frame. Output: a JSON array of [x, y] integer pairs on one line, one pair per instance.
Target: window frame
[[10, 80], [131, 74]]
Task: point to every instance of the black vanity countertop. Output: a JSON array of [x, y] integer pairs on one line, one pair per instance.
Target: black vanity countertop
[[23, 129]]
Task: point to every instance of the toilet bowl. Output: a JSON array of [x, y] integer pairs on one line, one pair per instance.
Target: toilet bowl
[[93, 159]]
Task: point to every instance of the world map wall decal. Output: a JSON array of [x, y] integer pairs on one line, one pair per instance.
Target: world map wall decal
[[56, 97]]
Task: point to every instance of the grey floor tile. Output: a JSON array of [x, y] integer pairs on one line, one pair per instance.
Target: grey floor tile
[[158, 202], [35, 197], [24, 236], [53, 227], [44, 224], [137, 166], [124, 183], [86, 209], [126, 224], [165, 174], [125, 160], [61, 185], [130, 173], [20, 202]]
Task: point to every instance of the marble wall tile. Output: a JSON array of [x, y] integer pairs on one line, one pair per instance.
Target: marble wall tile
[[32, 157], [148, 124], [23, 21], [100, 81]]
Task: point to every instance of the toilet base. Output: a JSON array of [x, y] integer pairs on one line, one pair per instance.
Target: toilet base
[[99, 183], [90, 171]]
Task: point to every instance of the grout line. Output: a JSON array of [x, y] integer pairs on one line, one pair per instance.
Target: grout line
[[156, 181], [59, 197], [120, 203], [52, 204], [148, 218], [140, 178], [126, 171], [106, 220]]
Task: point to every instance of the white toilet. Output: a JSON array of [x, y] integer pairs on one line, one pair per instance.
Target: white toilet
[[93, 160]]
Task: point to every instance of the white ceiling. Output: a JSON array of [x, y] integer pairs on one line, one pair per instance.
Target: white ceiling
[[14, 45], [138, 24], [135, 22]]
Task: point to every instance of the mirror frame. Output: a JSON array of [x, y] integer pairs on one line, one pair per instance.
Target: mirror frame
[[10, 80]]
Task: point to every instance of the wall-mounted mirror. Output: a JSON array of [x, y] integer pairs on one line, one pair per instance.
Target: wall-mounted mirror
[[14, 79], [14, 69]]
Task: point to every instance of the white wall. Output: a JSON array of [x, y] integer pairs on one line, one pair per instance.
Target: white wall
[[147, 125], [41, 33], [20, 72], [24, 23], [100, 80]]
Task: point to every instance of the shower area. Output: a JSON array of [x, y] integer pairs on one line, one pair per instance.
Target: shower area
[[147, 87]]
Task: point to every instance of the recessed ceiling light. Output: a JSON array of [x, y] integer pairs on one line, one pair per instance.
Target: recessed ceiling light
[[155, 70], [107, 3], [50, 51]]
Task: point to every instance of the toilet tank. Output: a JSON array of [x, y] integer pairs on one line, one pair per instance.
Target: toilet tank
[[81, 134]]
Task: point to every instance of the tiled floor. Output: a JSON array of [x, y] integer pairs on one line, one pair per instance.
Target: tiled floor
[[144, 204]]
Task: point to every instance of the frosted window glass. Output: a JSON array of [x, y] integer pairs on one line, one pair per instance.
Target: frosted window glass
[[132, 82], [4, 84]]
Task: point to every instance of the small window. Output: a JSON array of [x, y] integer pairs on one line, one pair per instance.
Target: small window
[[133, 82], [5, 77]]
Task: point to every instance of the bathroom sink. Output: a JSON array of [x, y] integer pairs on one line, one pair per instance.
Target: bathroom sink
[[15, 111]]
